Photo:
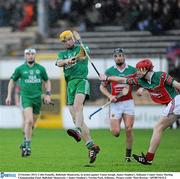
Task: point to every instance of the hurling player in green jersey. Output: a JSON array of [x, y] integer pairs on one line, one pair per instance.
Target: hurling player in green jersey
[[121, 108], [31, 77], [75, 66], [163, 89]]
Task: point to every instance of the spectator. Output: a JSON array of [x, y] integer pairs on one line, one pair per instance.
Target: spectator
[[2, 15], [166, 18], [66, 9], [133, 16], [28, 13], [92, 18], [175, 9], [17, 16], [144, 16], [8, 5], [108, 12], [53, 13]]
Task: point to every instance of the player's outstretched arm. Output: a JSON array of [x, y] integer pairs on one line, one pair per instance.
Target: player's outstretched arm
[[117, 79], [10, 89], [103, 77], [176, 85]]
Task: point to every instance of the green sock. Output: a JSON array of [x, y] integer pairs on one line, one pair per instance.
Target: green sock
[[78, 129], [89, 144], [28, 143]]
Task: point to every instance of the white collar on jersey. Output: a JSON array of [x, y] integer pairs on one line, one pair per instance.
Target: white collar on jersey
[[126, 66], [150, 77]]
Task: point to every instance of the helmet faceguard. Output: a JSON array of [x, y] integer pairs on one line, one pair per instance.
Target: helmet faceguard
[[29, 55], [144, 66]]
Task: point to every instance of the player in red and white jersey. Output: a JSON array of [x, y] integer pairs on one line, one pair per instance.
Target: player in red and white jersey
[[121, 108], [163, 89]]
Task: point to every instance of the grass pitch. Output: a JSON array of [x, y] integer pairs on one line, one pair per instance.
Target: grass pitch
[[54, 151]]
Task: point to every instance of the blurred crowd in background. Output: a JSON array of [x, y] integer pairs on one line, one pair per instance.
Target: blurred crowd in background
[[152, 15], [17, 13]]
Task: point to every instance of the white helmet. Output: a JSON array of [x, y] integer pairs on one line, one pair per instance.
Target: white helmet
[[29, 50]]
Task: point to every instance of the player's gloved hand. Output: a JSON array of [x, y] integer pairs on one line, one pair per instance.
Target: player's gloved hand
[[68, 61], [113, 98], [57, 63], [71, 61]]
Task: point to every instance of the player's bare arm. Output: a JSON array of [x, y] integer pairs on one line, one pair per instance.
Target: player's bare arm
[[117, 79], [10, 89], [105, 91], [103, 77], [69, 61], [176, 85]]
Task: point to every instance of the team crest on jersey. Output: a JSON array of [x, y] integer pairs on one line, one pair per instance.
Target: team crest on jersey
[[31, 72], [37, 71]]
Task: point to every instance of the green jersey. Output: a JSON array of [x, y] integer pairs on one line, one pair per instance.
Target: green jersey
[[79, 70], [31, 79]]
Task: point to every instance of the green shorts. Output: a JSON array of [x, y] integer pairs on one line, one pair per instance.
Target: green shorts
[[77, 86], [35, 103]]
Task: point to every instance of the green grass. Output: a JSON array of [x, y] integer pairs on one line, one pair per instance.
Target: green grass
[[54, 151]]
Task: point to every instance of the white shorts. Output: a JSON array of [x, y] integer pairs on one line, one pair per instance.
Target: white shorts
[[122, 107], [173, 107]]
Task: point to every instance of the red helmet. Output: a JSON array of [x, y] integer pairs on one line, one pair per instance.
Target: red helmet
[[144, 64]]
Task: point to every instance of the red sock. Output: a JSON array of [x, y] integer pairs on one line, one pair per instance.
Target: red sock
[[150, 156]]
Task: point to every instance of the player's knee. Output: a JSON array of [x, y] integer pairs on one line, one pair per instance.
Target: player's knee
[[159, 127], [128, 129], [78, 108], [115, 132], [163, 123], [30, 122]]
